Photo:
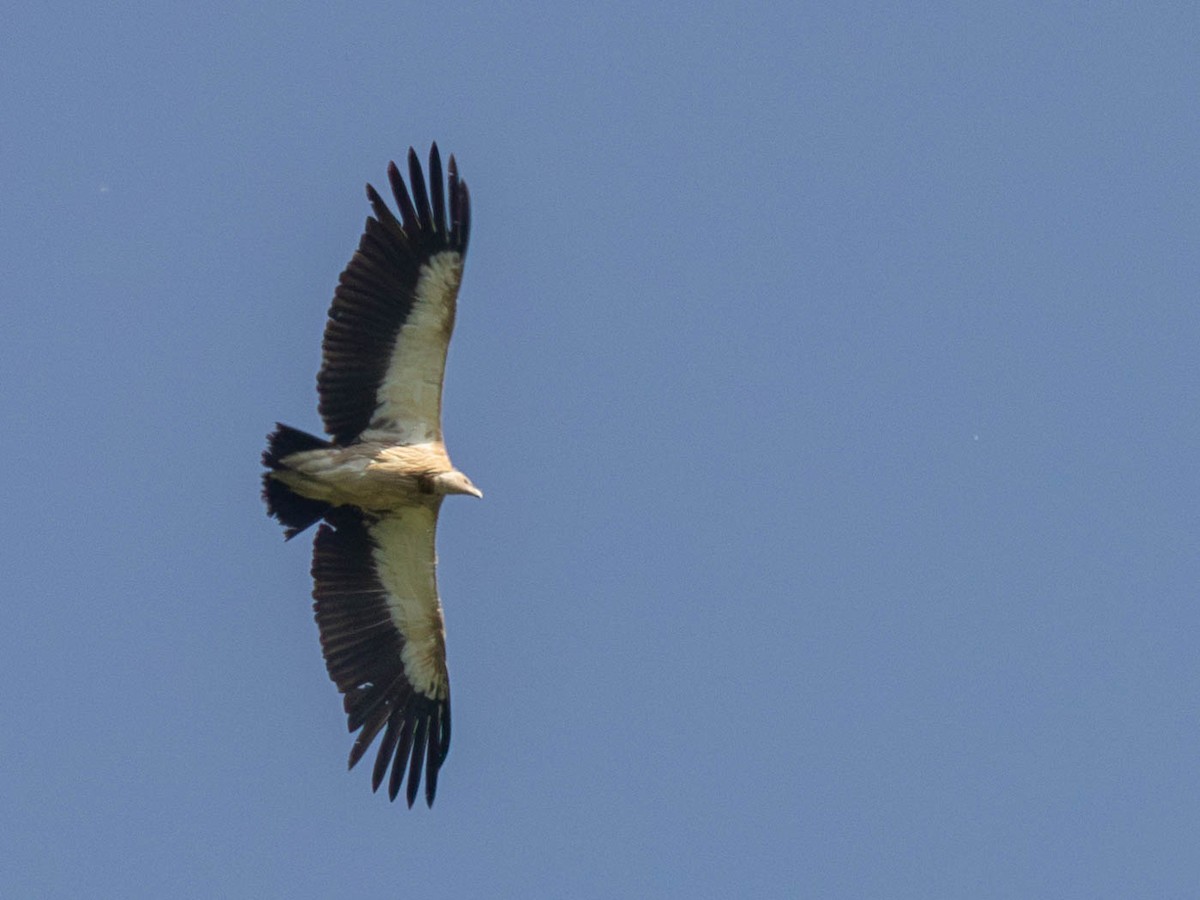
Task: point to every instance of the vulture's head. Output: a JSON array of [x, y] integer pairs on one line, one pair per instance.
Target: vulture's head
[[455, 482]]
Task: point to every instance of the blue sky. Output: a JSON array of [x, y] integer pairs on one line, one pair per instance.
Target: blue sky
[[831, 374]]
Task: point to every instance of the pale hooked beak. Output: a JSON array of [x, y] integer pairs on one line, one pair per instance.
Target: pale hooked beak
[[475, 492]]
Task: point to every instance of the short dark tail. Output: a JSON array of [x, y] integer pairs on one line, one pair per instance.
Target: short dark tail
[[293, 511]]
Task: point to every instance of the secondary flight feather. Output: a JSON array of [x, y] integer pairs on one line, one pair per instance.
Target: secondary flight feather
[[377, 484]]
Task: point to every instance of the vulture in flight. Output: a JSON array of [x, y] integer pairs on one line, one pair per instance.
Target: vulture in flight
[[377, 484]]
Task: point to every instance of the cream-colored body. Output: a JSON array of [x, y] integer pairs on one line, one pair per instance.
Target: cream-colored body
[[375, 476]]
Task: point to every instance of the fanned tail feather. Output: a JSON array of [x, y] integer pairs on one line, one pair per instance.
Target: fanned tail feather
[[293, 511]]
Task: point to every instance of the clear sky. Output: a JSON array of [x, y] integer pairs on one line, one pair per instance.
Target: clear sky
[[831, 372]]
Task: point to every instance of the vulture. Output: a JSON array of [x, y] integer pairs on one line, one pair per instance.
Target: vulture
[[377, 484]]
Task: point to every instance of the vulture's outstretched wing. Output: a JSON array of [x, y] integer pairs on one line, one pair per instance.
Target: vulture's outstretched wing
[[384, 352], [377, 607]]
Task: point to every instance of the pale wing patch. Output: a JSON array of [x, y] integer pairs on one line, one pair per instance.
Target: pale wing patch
[[410, 396], [406, 564]]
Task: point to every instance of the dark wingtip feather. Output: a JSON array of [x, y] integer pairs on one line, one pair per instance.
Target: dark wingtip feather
[[416, 181], [431, 773], [370, 728], [437, 195], [400, 761], [418, 759], [384, 756], [455, 235], [357, 751], [408, 214], [380, 208], [444, 723], [466, 216]]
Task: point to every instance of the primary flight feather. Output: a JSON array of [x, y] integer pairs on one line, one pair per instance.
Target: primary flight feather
[[378, 483]]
